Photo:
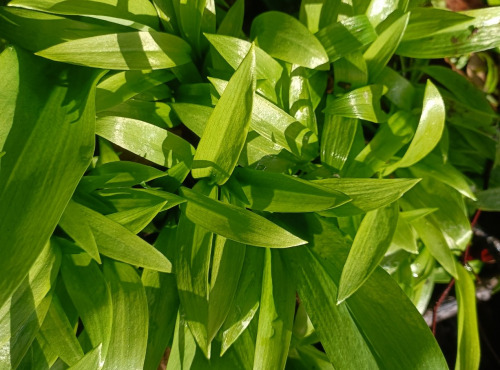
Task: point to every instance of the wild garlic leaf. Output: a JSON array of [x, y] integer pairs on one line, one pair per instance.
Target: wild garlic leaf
[[489, 200], [273, 192], [235, 223], [372, 240], [337, 139], [284, 37], [275, 314], [381, 50], [225, 132], [115, 241], [429, 131], [363, 103], [344, 37], [143, 51], [54, 109], [91, 360], [129, 333], [91, 297], [158, 146], [138, 14], [232, 23], [480, 33], [299, 99]]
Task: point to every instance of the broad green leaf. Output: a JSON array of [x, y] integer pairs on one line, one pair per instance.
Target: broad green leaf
[[122, 86], [190, 16], [232, 23], [246, 300], [118, 175], [480, 33], [381, 50], [274, 192], [368, 248], [37, 358], [489, 200], [36, 31], [278, 126], [163, 302], [115, 241], [329, 12], [183, 347], [429, 131], [57, 331], [14, 350], [276, 314], [366, 194], [234, 50], [225, 132], [228, 258], [459, 86], [138, 14], [379, 324], [235, 223], [337, 139], [192, 264], [400, 91], [143, 51], [363, 103], [344, 37], [129, 334], [299, 100], [462, 116], [469, 352], [445, 172], [403, 237], [18, 309], [54, 110], [351, 72], [310, 12], [91, 360], [91, 296], [168, 18], [428, 21], [159, 146], [284, 37]]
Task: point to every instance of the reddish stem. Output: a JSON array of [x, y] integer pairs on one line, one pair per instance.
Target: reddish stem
[[439, 303]]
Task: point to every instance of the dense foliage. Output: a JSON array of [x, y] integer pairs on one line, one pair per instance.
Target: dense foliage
[[284, 197]]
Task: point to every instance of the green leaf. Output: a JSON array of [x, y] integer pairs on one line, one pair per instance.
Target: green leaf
[[284, 37], [121, 86], [337, 139], [235, 223], [115, 241], [299, 100], [36, 31], [232, 23], [138, 14], [54, 108], [378, 54], [429, 131], [276, 314], [278, 126], [344, 37], [57, 331], [192, 264], [159, 146], [367, 194], [370, 244], [489, 200], [163, 302], [143, 51], [225, 132], [363, 103], [477, 34], [469, 352], [401, 92], [246, 300], [91, 360], [129, 334], [274, 192], [91, 297]]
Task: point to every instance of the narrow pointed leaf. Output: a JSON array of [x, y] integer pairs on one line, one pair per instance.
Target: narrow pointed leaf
[[91, 360], [144, 51], [370, 244], [337, 139], [235, 223], [273, 192], [115, 241], [127, 348], [275, 316], [54, 108], [225, 132]]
